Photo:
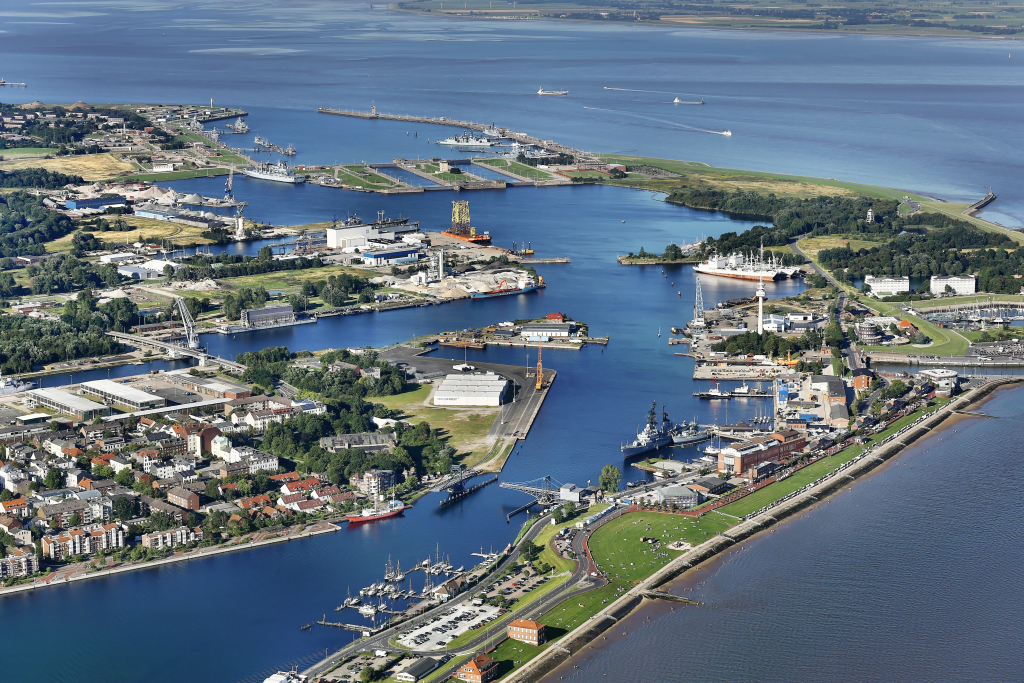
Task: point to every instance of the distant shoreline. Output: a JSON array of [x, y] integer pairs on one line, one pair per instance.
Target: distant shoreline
[[675, 25]]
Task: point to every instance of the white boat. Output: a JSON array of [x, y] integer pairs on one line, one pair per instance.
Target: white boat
[[279, 172], [368, 610], [737, 265], [727, 133], [542, 91]]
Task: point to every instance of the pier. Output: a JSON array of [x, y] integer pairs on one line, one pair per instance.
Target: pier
[[455, 497], [522, 138]]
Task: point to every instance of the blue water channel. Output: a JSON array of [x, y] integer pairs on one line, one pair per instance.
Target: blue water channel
[[934, 115]]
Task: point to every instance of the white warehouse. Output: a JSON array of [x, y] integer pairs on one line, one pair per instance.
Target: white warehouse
[[472, 390]]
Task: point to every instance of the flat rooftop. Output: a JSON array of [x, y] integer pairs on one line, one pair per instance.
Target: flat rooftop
[[122, 391], [67, 399]]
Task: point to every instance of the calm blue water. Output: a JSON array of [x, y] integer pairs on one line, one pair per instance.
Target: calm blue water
[[933, 116], [897, 578], [938, 116]]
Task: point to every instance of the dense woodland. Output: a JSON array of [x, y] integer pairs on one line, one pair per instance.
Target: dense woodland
[[791, 217], [949, 247], [38, 178], [26, 225], [26, 342]]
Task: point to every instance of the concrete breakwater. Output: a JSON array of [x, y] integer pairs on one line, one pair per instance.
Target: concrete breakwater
[[576, 640], [522, 138]]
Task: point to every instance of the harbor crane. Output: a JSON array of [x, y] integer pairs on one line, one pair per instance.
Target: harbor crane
[[191, 336], [540, 368], [544, 490]]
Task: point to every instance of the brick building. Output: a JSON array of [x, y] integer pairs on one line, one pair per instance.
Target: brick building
[[526, 631]]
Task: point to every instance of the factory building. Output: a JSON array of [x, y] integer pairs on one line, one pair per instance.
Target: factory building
[[67, 403], [391, 256], [472, 390], [959, 284], [115, 393], [267, 316]]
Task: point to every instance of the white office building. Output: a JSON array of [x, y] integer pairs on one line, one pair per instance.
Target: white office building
[[960, 284], [472, 390], [887, 286]]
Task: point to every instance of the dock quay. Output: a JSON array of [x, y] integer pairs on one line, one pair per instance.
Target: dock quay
[[522, 138], [365, 630], [736, 372], [462, 344], [556, 259], [980, 204]]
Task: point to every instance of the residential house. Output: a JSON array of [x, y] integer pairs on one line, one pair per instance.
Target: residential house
[[373, 482], [118, 464], [527, 631], [19, 561], [14, 527], [480, 669], [61, 514], [150, 505], [16, 507], [172, 538], [183, 499], [87, 540]]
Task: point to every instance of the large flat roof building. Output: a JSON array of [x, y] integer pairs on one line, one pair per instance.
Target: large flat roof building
[[116, 393], [471, 390], [268, 315], [958, 284], [887, 286], [67, 403]]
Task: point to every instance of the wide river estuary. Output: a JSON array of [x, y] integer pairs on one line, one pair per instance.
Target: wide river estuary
[[910, 575]]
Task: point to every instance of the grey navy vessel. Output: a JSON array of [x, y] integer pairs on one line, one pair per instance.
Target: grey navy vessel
[[652, 436]]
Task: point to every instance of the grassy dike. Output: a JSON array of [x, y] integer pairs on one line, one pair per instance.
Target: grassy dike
[[621, 603]]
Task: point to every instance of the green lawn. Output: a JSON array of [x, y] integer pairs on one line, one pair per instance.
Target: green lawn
[[944, 342], [518, 168], [360, 176], [617, 549], [465, 429], [780, 489]]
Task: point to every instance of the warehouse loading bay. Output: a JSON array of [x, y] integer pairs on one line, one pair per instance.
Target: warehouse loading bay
[[523, 400]]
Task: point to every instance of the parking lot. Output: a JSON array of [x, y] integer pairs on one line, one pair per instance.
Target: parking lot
[[443, 628], [517, 585]]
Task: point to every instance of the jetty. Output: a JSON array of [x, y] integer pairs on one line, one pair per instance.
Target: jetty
[[522, 138]]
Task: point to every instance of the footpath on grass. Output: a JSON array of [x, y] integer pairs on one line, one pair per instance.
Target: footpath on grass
[[784, 503]]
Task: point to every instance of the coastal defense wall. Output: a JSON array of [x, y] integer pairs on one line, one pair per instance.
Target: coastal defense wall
[[579, 638]]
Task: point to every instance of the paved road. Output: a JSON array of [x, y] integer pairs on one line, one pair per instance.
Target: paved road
[[848, 349]]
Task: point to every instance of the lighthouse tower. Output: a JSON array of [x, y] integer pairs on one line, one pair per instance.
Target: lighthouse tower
[[760, 306]]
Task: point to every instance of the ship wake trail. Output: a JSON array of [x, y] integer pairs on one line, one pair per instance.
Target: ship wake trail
[[680, 126], [659, 92]]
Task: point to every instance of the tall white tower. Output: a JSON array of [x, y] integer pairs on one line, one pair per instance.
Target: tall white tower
[[760, 306]]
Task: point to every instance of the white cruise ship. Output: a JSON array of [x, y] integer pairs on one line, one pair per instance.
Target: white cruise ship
[[737, 265], [279, 172]]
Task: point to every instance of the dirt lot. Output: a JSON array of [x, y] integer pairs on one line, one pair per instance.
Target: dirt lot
[[89, 166]]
